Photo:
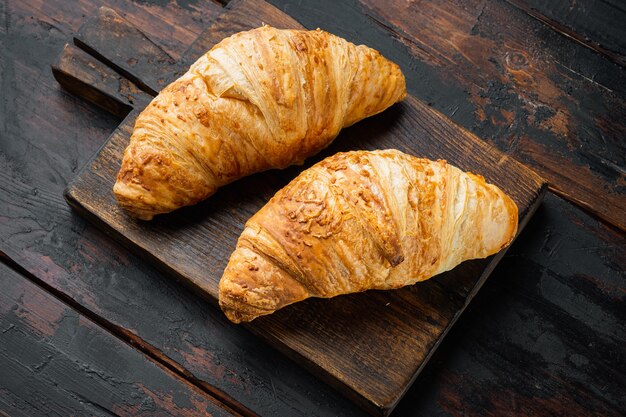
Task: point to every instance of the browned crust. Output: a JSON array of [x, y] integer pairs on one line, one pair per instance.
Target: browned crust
[[363, 220], [261, 99]]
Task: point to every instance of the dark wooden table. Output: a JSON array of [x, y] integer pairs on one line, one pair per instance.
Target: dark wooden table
[[86, 328]]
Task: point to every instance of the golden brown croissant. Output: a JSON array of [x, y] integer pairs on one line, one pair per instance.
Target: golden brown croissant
[[261, 99], [363, 220]]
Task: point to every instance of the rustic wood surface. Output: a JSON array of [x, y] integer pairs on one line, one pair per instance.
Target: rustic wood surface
[[544, 336], [590, 23], [397, 331], [56, 361], [133, 51], [96, 82]]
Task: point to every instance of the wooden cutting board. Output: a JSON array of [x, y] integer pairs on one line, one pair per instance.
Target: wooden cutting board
[[372, 345]]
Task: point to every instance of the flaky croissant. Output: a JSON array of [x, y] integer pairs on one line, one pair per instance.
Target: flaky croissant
[[260, 99], [363, 220]]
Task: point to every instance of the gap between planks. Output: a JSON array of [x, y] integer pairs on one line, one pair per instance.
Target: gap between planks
[[569, 32], [229, 404]]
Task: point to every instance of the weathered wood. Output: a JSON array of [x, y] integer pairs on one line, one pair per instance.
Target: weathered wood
[[482, 367], [537, 96], [113, 40], [173, 26], [596, 24], [84, 76], [56, 361], [348, 356]]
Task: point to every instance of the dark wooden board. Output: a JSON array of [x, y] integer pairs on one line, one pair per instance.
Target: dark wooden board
[[375, 361], [482, 367], [55, 361]]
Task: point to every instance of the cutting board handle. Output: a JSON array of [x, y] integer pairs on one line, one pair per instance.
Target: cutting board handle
[[86, 77], [113, 64]]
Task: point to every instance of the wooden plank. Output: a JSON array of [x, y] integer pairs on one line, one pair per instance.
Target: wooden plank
[[537, 96], [596, 24], [71, 366], [173, 26], [184, 242]]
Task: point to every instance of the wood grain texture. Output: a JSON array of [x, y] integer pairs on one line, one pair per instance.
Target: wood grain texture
[[149, 309], [46, 134], [82, 75], [590, 22], [171, 25], [56, 361], [194, 244], [482, 367], [133, 53], [539, 97]]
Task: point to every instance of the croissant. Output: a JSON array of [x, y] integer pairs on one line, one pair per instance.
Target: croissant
[[260, 99], [362, 220]]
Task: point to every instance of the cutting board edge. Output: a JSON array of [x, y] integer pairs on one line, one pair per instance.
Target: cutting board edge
[[74, 201]]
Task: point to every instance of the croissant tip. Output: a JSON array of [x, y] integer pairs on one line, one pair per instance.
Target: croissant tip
[[237, 314], [233, 316], [129, 204]]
